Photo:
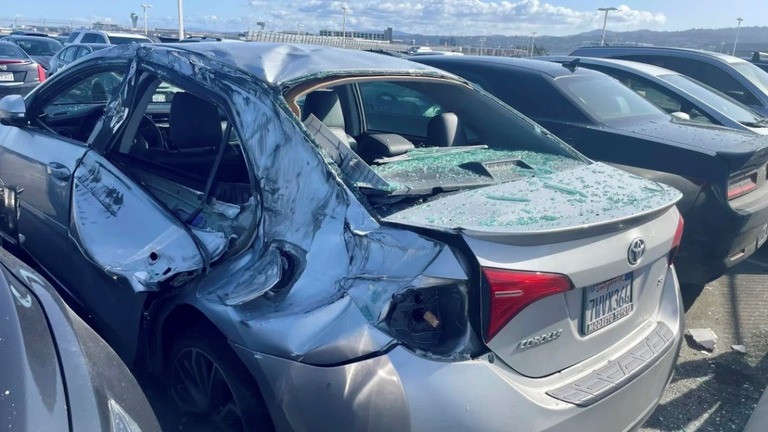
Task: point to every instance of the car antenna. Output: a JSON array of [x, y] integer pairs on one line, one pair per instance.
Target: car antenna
[[572, 65]]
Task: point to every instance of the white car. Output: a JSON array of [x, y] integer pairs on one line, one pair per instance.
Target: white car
[[112, 38]]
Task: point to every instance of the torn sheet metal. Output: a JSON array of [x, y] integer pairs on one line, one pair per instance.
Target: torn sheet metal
[[277, 64], [105, 205]]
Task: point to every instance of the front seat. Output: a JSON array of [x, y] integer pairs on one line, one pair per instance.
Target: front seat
[[325, 105], [194, 135], [446, 130]]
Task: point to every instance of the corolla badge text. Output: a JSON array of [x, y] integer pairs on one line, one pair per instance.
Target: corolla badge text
[[538, 340]]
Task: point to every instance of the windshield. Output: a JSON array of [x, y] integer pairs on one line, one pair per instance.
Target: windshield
[[606, 99], [40, 46], [9, 51], [119, 40], [713, 98], [425, 137], [757, 76]]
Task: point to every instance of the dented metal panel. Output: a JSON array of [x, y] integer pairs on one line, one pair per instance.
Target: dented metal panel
[[123, 231]]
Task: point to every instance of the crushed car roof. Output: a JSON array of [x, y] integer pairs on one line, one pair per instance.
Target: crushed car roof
[[276, 63]]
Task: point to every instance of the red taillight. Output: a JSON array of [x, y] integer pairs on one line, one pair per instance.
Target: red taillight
[[676, 240], [40, 73], [742, 186], [512, 291]]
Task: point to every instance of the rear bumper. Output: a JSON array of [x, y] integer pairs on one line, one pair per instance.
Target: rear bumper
[[12, 89], [718, 236], [405, 392]]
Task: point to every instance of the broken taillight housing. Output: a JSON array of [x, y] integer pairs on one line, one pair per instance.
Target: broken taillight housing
[[512, 291], [742, 186], [433, 319], [676, 239]]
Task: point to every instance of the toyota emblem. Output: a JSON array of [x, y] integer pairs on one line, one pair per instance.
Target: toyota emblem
[[636, 251], [3, 67]]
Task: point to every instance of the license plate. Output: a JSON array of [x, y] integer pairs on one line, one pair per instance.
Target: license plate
[[607, 302], [762, 236], [6, 76], [158, 98]]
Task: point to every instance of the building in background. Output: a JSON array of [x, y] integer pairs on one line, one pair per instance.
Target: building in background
[[385, 36]]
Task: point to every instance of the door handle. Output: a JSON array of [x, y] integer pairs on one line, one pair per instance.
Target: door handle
[[58, 171]]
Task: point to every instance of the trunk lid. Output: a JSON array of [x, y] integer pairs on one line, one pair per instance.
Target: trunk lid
[[578, 223], [739, 149]]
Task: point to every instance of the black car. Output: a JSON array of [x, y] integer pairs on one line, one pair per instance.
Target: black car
[[733, 76], [720, 171], [73, 52], [19, 74], [57, 374], [40, 48]]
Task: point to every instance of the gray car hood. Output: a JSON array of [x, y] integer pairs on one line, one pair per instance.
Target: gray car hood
[[586, 196]]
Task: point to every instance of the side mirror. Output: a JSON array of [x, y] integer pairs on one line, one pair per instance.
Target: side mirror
[[738, 95], [681, 115], [13, 111]]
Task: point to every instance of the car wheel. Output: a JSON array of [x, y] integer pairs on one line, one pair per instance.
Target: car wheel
[[212, 386]]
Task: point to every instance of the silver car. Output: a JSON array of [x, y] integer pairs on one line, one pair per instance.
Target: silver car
[[308, 238]]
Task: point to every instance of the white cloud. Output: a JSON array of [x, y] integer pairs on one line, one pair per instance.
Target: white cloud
[[457, 17]]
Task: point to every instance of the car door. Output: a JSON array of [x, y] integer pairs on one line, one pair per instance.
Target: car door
[[91, 228]]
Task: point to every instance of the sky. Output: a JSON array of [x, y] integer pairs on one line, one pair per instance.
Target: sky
[[454, 17]]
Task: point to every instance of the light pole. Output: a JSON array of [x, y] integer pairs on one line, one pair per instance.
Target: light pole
[[344, 8], [181, 19], [533, 44], [605, 21], [145, 7], [482, 45], [298, 28], [735, 41]]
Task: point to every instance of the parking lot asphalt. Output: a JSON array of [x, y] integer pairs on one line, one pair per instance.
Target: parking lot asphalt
[[710, 392], [718, 391]]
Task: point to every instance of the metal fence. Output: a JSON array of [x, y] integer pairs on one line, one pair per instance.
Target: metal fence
[[326, 40]]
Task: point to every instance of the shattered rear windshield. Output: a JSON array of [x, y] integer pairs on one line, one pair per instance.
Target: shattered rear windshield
[[426, 168], [427, 136]]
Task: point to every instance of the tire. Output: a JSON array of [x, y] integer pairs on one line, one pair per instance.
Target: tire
[[231, 400]]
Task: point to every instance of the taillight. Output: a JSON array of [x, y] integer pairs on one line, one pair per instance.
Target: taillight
[[40, 73], [13, 61], [742, 186], [513, 291], [676, 240]]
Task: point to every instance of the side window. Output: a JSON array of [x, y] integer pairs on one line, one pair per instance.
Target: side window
[[392, 107], [101, 39], [82, 52], [75, 110], [89, 38], [72, 37], [707, 73], [68, 54], [96, 89]]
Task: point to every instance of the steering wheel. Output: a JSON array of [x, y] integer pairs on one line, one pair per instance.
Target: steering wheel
[[148, 136]]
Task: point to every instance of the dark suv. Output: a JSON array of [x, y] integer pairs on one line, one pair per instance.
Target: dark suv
[[737, 77]]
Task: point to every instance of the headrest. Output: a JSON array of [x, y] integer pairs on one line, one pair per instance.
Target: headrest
[[194, 122], [325, 105], [445, 130]]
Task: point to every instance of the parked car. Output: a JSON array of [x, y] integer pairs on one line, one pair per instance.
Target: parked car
[[436, 249], [675, 93], [57, 373], [19, 74], [63, 37], [40, 49], [760, 59], [71, 53], [733, 76], [105, 37], [720, 171], [28, 33]]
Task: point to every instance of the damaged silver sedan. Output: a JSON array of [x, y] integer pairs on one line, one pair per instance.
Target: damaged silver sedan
[[306, 238]]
